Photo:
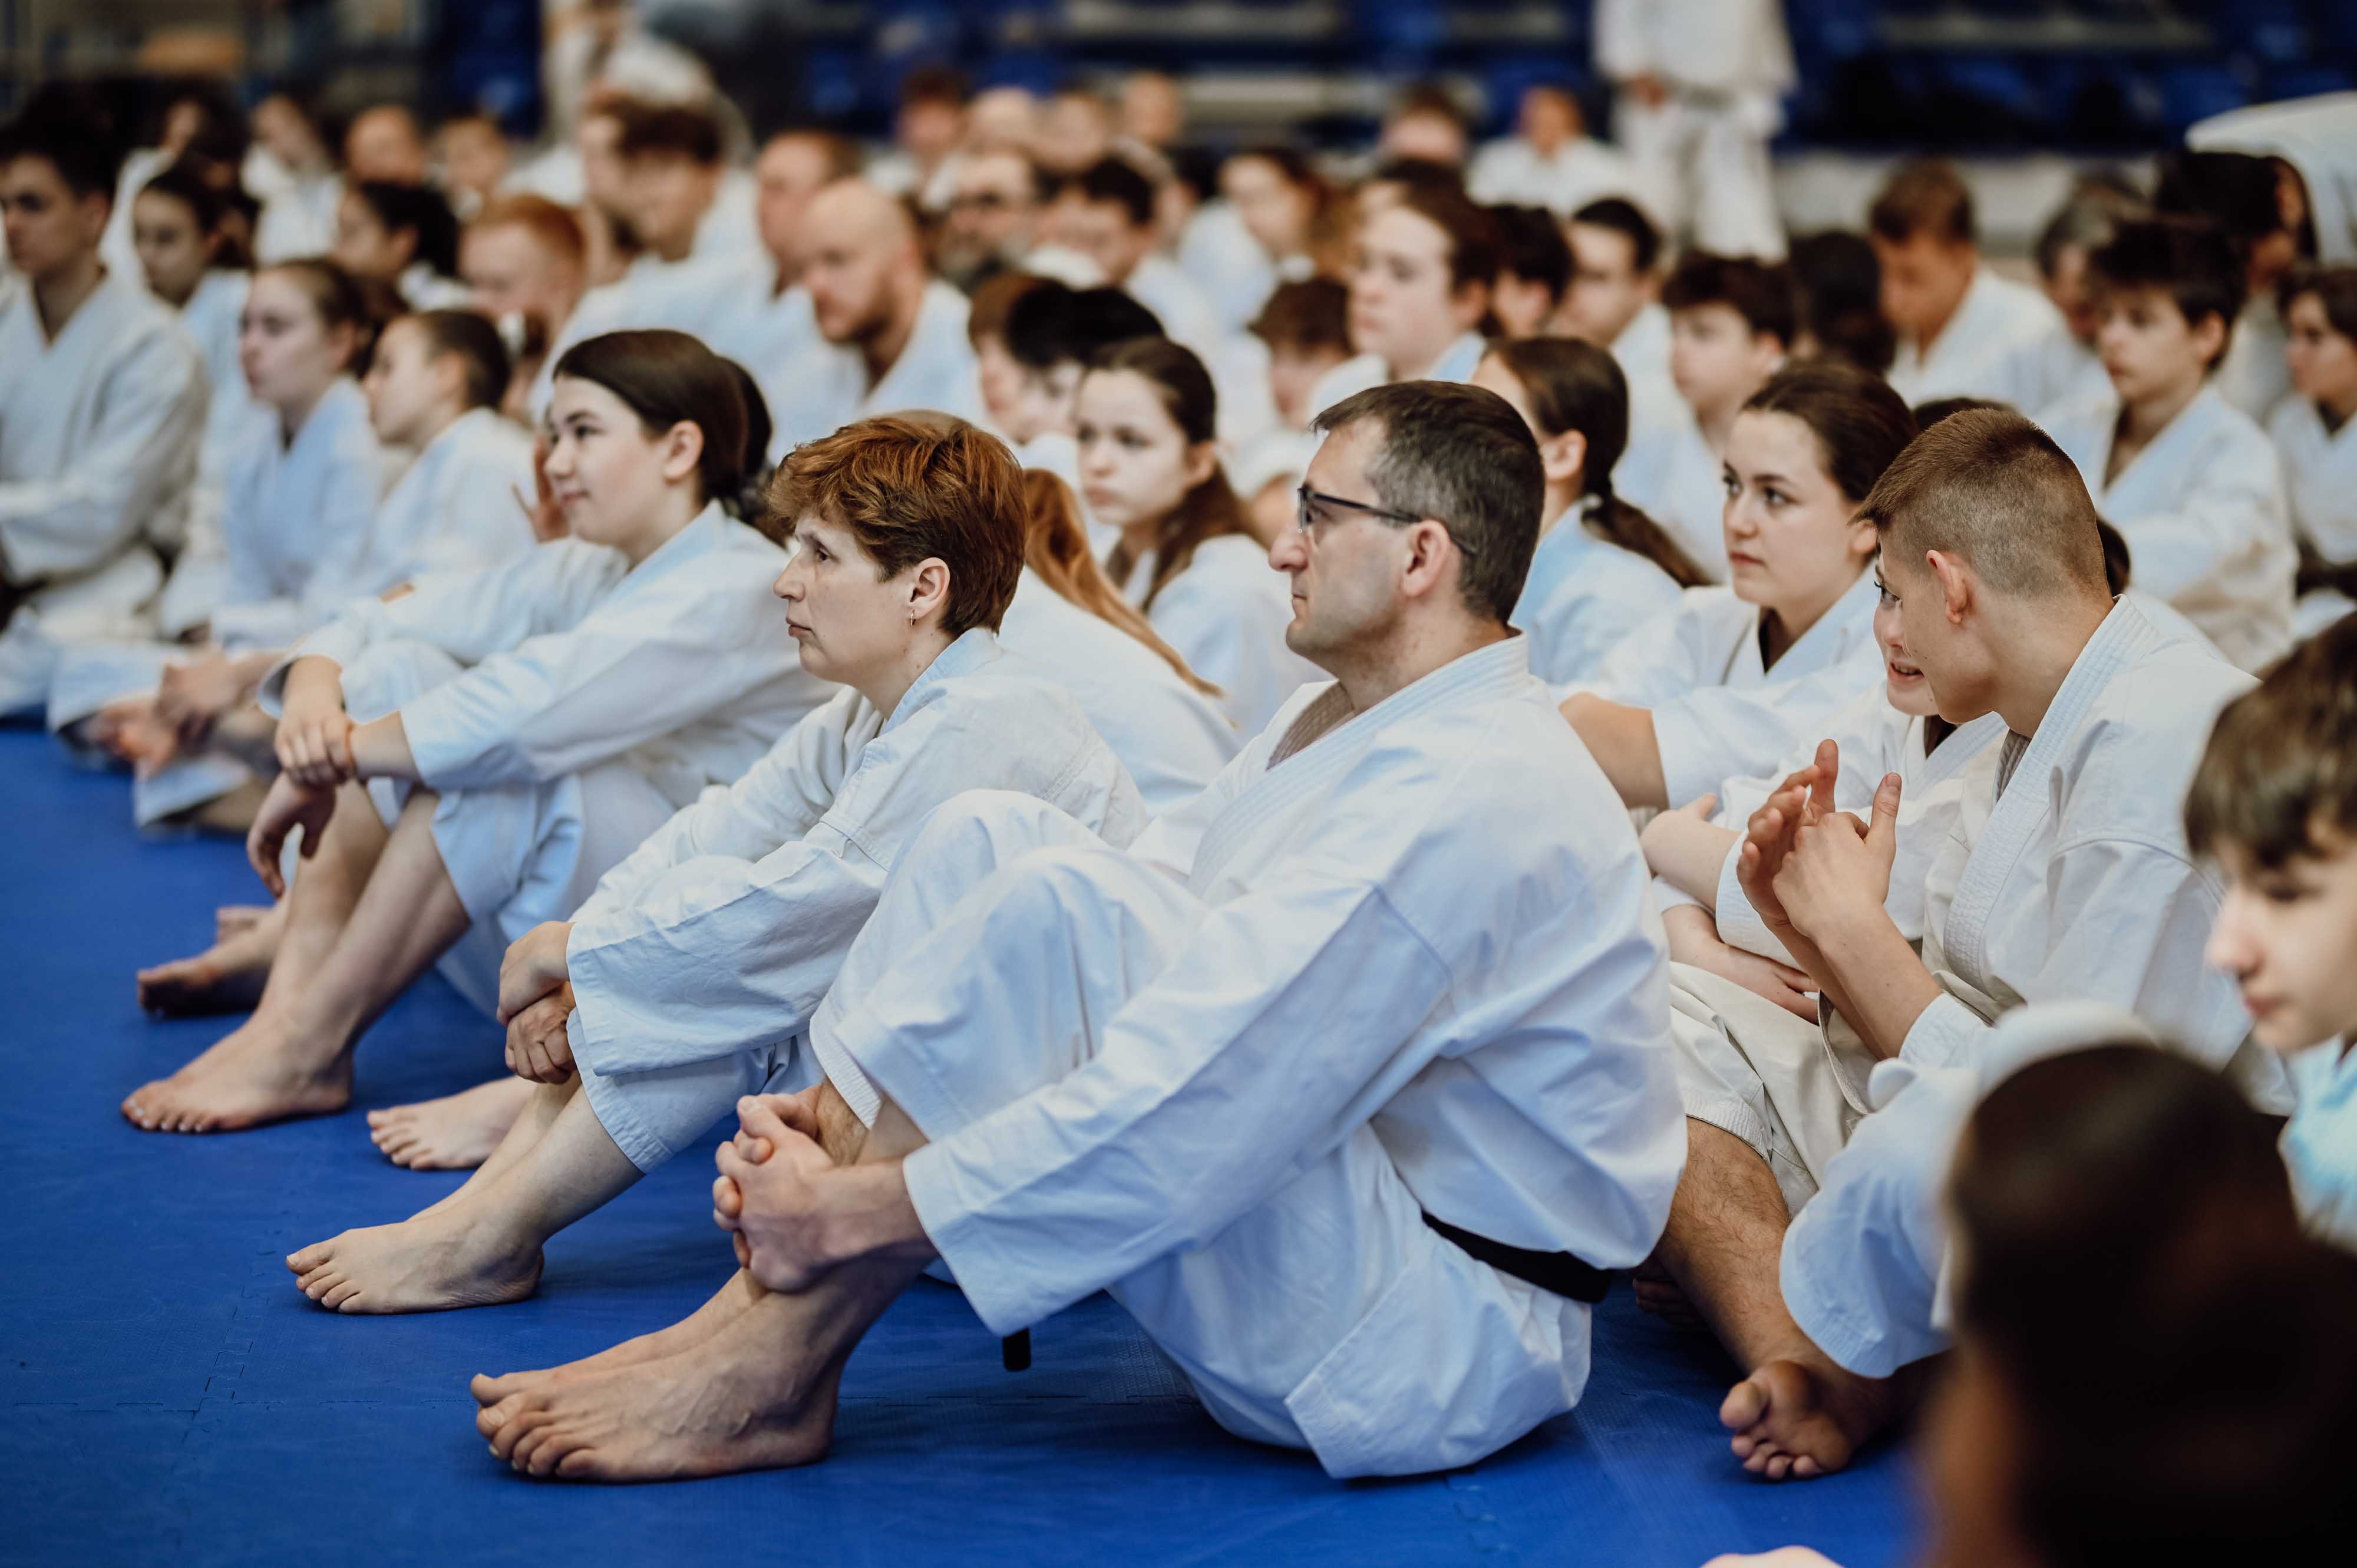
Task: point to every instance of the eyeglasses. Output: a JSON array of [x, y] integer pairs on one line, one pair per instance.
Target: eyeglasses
[[1314, 511]]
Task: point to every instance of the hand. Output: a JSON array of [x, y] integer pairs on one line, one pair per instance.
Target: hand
[[1839, 867], [547, 517], [290, 804], [1802, 799], [1647, 90], [133, 731], [774, 1204], [192, 697], [534, 966], [315, 740], [1694, 940], [538, 1046]]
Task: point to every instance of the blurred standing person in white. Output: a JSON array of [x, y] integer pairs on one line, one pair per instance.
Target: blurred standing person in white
[[1700, 87]]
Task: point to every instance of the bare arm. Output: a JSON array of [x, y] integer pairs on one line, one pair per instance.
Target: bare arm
[[1686, 849], [1621, 740]]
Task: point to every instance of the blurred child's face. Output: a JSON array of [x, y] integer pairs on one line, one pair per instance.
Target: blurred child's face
[[2148, 348], [1717, 359], [1923, 280], [1404, 306], [1607, 289], [2066, 285], [173, 251], [1521, 305], [1001, 380], [1293, 372], [365, 247], [2287, 935], [2321, 358]]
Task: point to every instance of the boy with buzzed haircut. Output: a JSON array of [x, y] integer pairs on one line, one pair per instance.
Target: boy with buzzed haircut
[[2065, 877], [1731, 323], [2192, 484], [2274, 804]]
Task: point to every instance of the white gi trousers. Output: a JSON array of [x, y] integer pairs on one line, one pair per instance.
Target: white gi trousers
[[1330, 1317]]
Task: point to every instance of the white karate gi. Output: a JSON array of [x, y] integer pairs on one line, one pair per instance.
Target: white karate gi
[[1643, 350], [2005, 342], [1670, 474], [1866, 1267], [298, 219], [1226, 614], [828, 387], [1583, 596], [120, 247], [2319, 470], [423, 288], [1226, 264], [1237, 361], [2317, 137], [730, 301], [1172, 739], [213, 316], [2203, 509], [99, 437], [2252, 375], [698, 962], [2319, 1142], [565, 705], [1354, 375], [1511, 170], [1226, 1076], [1718, 712], [1875, 739], [1703, 155], [2071, 882]]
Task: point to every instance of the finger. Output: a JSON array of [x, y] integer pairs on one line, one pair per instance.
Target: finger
[[1821, 792], [754, 1149], [340, 752], [744, 1250], [728, 1195], [1885, 825], [262, 852], [760, 1120], [733, 1165], [1704, 806]]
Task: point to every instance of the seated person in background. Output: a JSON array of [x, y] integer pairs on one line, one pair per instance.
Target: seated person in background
[[1106, 213], [2152, 1366], [1051, 333], [1614, 301], [1533, 270], [999, 378], [467, 760], [1550, 161], [383, 142], [1426, 125], [908, 540], [1728, 679], [525, 266], [994, 217], [1420, 278], [2254, 202], [295, 173], [2192, 484], [1305, 326], [1732, 321], [2312, 430], [180, 233], [2065, 876], [1186, 554], [1838, 285], [2275, 805], [1602, 568], [893, 335], [403, 236], [101, 412], [1430, 1132], [1964, 331], [475, 157], [2079, 227]]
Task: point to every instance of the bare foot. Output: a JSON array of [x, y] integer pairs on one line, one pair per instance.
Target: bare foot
[[741, 1292], [456, 1132], [1802, 1420], [236, 919], [226, 977], [731, 1404], [257, 1075], [433, 1263]]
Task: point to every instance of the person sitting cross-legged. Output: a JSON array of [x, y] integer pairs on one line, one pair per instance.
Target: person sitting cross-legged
[[1348, 1096]]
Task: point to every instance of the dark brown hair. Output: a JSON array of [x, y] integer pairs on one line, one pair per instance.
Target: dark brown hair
[[2281, 764], [995, 301], [1056, 549], [1462, 457], [1211, 509], [913, 488], [1928, 197], [2335, 289], [1572, 385], [668, 378], [669, 130], [476, 343], [340, 301], [1312, 313], [2188, 259], [1861, 426], [1760, 292], [1474, 245]]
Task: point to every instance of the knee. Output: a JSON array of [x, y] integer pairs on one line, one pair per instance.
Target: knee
[[975, 833]]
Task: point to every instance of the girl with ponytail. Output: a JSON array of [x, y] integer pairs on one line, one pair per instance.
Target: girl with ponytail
[[465, 760], [1602, 567]]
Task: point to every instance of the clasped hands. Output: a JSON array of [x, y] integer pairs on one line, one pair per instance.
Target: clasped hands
[[314, 755], [768, 1195], [536, 999], [1810, 870]]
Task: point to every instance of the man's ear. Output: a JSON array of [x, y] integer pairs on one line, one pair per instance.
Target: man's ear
[[1960, 587], [1429, 550]]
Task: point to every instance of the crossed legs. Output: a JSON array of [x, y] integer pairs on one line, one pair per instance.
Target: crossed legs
[[368, 913]]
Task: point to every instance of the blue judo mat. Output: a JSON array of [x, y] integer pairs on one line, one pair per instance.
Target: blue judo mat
[[171, 1398]]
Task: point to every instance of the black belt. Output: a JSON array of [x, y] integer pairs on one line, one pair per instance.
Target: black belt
[[1559, 1272]]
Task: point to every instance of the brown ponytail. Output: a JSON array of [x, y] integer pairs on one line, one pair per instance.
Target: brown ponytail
[[1572, 385], [1056, 549], [1210, 510]]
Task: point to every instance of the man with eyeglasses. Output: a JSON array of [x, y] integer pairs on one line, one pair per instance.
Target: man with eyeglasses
[[1350, 1079], [994, 215]]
